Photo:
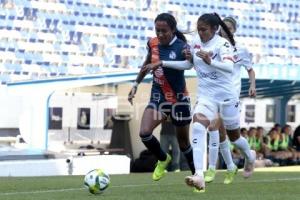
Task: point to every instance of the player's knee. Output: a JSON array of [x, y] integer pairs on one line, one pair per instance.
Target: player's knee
[[145, 133], [198, 132], [231, 124], [233, 135], [198, 128], [183, 144], [222, 137]]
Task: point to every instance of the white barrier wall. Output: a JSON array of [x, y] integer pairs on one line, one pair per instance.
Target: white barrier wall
[[10, 107], [261, 112], [36, 95], [112, 164]]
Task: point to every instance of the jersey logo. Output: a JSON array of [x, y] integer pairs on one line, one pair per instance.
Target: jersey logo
[[236, 105], [210, 75], [197, 46], [172, 55], [159, 72], [226, 44]]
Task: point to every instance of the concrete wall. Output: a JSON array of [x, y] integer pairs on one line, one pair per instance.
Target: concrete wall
[[112, 164], [10, 107]]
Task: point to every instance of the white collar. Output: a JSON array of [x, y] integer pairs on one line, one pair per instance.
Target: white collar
[[173, 40], [211, 40]]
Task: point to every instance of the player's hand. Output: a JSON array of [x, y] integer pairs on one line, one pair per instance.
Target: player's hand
[[144, 69], [152, 66], [187, 54], [132, 94], [205, 56], [252, 91]]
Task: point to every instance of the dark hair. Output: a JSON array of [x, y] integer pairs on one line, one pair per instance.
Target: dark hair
[[171, 21], [295, 136], [231, 20], [243, 129], [214, 20], [285, 127], [272, 129], [277, 125], [252, 128]]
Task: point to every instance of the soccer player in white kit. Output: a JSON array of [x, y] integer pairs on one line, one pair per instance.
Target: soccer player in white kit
[[212, 57], [217, 133]]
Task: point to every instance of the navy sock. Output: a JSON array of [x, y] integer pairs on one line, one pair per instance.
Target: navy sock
[[153, 145], [188, 153]]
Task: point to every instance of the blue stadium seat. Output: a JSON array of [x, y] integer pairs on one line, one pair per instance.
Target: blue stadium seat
[[34, 34]]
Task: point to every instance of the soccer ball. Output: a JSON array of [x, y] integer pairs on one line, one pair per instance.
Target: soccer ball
[[96, 181]]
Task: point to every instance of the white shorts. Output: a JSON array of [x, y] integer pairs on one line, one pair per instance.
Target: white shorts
[[229, 111]]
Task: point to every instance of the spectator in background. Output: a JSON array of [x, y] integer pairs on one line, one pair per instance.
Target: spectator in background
[[252, 137], [286, 137], [260, 146], [168, 139], [296, 143], [244, 132], [277, 127], [274, 140], [257, 142], [286, 144], [296, 139]]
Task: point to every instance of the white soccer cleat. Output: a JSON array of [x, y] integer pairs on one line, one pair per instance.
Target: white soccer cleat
[[188, 180], [249, 165], [197, 182]]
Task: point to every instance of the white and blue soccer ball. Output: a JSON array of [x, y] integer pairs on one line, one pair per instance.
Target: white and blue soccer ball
[[96, 181]]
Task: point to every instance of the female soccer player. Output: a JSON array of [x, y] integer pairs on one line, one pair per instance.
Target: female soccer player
[[169, 96], [212, 57], [242, 58]]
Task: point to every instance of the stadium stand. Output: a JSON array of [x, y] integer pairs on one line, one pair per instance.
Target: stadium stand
[[52, 38]]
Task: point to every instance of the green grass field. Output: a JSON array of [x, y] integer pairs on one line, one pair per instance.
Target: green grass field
[[270, 185]]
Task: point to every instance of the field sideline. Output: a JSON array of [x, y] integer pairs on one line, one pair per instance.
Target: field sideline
[[265, 185]]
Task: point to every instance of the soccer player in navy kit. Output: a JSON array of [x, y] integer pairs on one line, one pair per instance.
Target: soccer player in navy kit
[[169, 96], [212, 58]]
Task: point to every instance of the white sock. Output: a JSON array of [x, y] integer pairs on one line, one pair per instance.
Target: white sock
[[226, 154], [242, 144], [214, 142], [199, 145]]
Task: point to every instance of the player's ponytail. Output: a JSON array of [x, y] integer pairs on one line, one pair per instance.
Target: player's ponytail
[[180, 35], [225, 28]]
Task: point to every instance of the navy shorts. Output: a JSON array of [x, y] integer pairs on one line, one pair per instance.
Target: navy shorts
[[179, 112]]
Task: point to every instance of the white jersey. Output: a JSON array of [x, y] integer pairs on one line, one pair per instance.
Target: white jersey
[[213, 83], [242, 58]]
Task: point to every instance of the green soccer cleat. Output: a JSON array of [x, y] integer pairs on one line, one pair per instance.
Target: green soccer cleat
[[160, 168], [199, 191], [229, 176], [209, 175]]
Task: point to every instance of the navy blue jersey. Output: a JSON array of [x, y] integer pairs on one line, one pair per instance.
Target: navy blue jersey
[[168, 82]]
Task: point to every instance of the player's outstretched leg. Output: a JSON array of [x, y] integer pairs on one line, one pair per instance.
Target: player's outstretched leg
[[160, 168], [229, 176], [196, 181], [249, 165]]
